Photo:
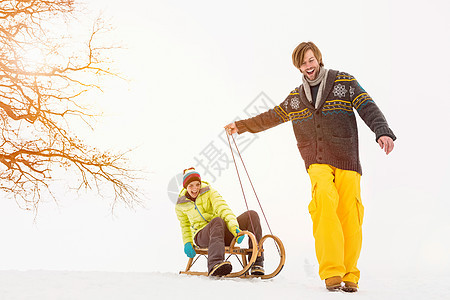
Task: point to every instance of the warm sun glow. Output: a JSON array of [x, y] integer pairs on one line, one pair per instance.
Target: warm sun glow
[[34, 58]]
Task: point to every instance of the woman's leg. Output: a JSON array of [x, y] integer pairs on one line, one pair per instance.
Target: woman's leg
[[212, 236], [249, 221]]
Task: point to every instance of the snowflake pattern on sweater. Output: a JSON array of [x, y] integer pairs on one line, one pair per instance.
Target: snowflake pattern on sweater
[[352, 91], [295, 103], [339, 90]]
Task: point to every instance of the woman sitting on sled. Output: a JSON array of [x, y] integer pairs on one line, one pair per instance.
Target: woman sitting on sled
[[206, 219]]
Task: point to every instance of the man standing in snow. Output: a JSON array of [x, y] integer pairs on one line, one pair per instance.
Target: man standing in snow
[[324, 123]]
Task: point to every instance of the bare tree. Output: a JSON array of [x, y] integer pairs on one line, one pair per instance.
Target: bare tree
[[40, 99]]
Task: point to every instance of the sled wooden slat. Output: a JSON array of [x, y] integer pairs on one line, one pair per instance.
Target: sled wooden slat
[[228, 250], [246, 256]]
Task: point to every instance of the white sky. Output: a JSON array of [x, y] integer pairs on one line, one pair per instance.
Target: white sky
[[194, 66]]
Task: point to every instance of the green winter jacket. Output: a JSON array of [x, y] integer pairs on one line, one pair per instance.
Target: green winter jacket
[[193, 216]]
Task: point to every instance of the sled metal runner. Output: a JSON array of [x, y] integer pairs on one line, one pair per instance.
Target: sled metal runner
[[246, 257]]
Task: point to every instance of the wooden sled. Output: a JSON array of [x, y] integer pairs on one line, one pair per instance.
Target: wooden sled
[[242, 254]]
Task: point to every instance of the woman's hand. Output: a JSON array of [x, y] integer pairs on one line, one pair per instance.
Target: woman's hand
[[189, 250]]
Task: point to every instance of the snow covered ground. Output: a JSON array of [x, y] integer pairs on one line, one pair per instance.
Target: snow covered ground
[[49, 285]]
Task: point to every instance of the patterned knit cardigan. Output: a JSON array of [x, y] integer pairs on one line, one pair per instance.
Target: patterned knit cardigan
[[328, 134]]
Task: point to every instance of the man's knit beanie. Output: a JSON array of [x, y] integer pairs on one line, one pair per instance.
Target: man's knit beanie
[[190, 175]]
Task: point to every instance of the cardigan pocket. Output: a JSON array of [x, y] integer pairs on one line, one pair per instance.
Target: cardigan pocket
[[341, 148], [305, 144], [341, 140]]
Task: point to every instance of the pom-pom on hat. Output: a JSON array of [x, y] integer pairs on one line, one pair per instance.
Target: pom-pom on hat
[[190, 175]]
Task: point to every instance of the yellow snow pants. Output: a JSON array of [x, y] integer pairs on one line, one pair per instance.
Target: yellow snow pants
[[337, 214]]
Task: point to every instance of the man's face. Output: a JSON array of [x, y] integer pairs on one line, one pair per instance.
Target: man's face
[[310, 66], [193, 188]]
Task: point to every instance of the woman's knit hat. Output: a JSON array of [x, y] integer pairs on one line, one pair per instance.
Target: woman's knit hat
[[190, 175]]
